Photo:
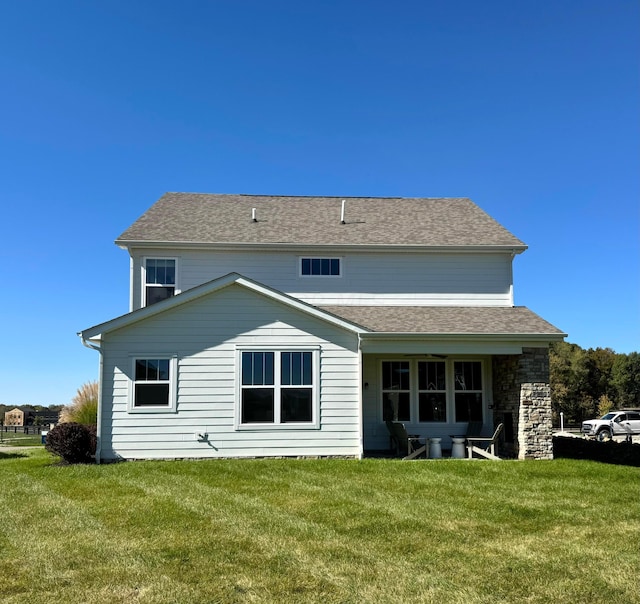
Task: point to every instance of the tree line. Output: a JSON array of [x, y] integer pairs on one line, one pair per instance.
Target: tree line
[[589, 383]]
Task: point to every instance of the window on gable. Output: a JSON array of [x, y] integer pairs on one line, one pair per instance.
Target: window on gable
[[322, 267], [160, 279], [277, 387], [153, 383]]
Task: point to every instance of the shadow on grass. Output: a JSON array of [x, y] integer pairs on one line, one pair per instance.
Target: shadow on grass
[[11, 455]]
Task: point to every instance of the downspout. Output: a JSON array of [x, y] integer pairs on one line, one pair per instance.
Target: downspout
[[131, 276], [99, 414], [511, 296], [360, 401]]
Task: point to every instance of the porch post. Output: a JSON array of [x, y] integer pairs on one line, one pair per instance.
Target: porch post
[[535, 428], [522, 400]]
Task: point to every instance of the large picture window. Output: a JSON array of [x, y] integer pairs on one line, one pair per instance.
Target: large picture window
[[159, 279], [277, 387], [153, 384]]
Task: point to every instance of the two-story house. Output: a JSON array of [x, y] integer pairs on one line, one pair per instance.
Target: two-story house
[[295, 326]]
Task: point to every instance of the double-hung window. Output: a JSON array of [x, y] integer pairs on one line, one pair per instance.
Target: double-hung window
[[153, 384], [159, 279], [278, 387]]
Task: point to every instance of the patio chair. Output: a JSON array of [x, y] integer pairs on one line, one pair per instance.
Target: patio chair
[[484, 446], [408, 445], [474, 429]]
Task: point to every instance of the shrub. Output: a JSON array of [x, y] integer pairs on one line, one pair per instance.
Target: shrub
[[622, 453], [75, 443], [84, 406]]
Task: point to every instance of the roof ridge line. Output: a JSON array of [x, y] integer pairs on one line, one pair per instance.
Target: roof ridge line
[[278, 196]]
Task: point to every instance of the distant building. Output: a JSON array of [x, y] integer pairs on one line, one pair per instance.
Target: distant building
[[26, 416], [19, 416]]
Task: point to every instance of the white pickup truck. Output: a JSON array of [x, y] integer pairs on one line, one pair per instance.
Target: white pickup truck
[[614, 423]]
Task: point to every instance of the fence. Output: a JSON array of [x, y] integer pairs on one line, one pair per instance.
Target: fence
[[24, 429]]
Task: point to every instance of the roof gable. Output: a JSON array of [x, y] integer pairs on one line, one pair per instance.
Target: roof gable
[[191, 218], [95, 332]]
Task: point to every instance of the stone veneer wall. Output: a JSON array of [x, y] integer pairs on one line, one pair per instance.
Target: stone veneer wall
[[522, 396]]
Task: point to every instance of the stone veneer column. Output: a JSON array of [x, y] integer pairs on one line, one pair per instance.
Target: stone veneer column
[[521, 393]]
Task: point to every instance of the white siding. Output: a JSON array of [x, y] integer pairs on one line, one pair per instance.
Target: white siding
[[204, 334], [368, 277]]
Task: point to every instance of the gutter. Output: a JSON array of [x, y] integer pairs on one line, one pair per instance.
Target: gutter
[[495, 337], [92, 346], [129, 244]]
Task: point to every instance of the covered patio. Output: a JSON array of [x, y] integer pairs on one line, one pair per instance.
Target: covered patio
[[437, 369]]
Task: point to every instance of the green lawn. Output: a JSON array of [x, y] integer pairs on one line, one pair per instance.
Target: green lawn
[[318, 531], [19, 439]]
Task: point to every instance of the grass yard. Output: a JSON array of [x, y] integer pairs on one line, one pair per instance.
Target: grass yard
[[318, 531], [19, 439]]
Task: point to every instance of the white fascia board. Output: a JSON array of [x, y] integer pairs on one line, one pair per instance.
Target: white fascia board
[[93, 333], [452, 344], [334, 247], [497, 337]]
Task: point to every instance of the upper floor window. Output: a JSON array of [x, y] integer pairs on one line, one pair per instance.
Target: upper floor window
[[323, 267], [159, 280]]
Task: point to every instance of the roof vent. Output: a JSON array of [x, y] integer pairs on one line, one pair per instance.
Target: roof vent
[[253, 215], [344, 202]]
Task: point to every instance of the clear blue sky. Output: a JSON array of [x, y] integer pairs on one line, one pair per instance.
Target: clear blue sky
[[529, 107]]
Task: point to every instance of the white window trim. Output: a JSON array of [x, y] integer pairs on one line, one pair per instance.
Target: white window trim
[[339, 258], [450, 392], [143, 275], [173, 383], [314, 424]]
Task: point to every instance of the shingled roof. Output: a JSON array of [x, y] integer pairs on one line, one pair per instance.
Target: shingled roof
[[464, 320], [193, 218]]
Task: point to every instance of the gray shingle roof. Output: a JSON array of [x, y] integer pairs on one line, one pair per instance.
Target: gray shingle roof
[[446, 319], [226, 219]]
